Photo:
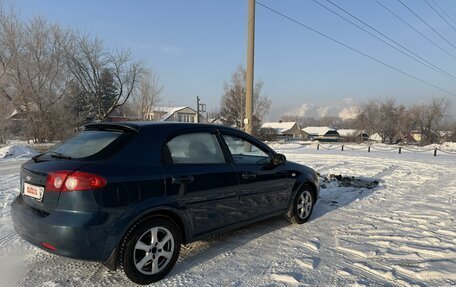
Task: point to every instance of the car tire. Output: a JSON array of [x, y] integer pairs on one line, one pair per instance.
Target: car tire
[[302, 206], [150, 249]]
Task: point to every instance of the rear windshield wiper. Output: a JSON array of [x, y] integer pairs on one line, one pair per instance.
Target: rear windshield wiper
[[58, 155], [53, 154]]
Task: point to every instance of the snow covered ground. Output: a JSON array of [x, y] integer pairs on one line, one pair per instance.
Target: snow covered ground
[[401, 233]]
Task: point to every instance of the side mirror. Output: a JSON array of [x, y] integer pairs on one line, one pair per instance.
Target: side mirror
[[279, 159]]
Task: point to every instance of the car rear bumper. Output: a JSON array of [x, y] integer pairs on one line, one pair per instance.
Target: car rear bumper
[[79, 235]]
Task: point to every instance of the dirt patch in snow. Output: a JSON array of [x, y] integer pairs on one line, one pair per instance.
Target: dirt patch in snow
[[347, 181]]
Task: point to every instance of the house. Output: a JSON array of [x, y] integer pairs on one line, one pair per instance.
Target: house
[[323, 134], [175, 114], [417, 135], [20, 113], [377, 137], [447, 136], [406, 138], [353, 135], [285, 130]]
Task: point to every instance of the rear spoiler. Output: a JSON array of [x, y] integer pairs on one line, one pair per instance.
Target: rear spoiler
[[128, 127]]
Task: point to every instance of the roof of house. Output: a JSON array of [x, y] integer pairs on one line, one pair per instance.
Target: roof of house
[[320, 131], [169, 111], [280, 127], [31, 106]]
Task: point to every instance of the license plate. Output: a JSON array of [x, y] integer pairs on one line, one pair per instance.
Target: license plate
[[34, 191]]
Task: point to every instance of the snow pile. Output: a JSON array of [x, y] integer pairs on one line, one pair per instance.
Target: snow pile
[[448, 146], [16, 151]]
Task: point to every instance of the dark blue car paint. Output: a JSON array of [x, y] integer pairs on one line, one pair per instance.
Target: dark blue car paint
[[202, 199]]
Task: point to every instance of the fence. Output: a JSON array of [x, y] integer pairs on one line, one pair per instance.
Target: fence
[[370, 147]]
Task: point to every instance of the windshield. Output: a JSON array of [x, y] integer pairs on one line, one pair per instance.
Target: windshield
[[86, 143]]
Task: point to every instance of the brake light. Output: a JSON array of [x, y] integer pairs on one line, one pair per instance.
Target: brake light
[[65, 180]]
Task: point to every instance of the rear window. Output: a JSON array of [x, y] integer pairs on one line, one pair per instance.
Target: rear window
[[87, 143]]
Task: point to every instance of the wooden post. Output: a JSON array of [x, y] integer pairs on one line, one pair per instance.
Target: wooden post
[[248, 121], [435, 152], [369, 149], [342, 148], [318, 146], [400, 149]]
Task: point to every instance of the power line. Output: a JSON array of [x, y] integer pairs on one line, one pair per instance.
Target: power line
[[432, 7], [422, 20], [443, 11], [414, 29], [351, 48], [415, 57]]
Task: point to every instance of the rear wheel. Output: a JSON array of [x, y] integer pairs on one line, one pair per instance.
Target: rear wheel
[[302, 206], [150, 249]]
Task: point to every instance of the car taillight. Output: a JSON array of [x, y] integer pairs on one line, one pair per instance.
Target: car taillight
[[65, 180], [55, 180]]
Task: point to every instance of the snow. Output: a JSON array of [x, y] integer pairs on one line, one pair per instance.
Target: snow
[[348, 132], [320, 131], [446, 146], [400, 233], [280, 127], [375, 137], [16, 151]]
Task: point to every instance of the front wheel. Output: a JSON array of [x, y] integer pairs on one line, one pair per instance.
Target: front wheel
[[150, 249], [302, 206]]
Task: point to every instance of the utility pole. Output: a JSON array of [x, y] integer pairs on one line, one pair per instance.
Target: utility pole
[[248, 121], [197, 109], [200, 108]]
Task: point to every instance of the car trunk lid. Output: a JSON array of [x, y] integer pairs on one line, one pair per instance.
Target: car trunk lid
[[33, 182]]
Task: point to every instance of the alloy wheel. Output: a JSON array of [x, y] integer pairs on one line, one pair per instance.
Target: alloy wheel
[[153, 250]]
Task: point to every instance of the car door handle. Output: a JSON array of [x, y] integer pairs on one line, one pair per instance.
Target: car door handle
[[182, 179], [248, 175]]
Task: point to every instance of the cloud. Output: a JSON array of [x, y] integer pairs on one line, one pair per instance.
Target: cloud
[[346, 108], [349, 112], [303, 110]]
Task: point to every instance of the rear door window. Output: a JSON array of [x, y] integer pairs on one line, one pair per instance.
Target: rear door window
[[87, 143], [195, 148]]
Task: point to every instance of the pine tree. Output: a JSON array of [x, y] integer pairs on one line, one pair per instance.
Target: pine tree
[[78, 105], [107, 93]]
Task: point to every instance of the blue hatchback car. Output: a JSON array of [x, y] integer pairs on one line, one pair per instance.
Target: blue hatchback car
[[129, 194]]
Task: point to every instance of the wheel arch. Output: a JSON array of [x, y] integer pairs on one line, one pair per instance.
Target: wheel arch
[[177, 216], [300, 184]]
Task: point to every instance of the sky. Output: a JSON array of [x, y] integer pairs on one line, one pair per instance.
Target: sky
[[195, 46]]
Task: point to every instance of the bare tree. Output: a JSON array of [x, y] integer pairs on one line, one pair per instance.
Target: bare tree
[[233, 101], [148, 95], [87, 59], [8, 41], [389, 121], [428, 118], [36, 75], [369, 117]]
